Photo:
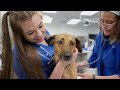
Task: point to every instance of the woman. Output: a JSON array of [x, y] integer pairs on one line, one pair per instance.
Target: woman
[[106, 52], [32, 56]]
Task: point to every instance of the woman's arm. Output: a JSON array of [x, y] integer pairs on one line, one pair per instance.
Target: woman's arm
[[91, 76], [83, 64], [58, 71], [107, 77]]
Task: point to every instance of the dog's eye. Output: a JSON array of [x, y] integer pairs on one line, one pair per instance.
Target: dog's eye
[[72, 43], [59, 42]]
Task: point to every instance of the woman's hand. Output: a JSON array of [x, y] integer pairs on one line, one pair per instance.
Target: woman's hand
[[75, 54], [85, 76]]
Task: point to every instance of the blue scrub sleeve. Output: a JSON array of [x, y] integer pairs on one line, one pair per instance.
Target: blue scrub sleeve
[[119, 71], [119, 74], [93, 56]]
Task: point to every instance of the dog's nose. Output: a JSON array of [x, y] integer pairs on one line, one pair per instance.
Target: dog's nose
[[67, 56]]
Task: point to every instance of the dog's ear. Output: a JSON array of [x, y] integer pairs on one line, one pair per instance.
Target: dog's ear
[[78, 45], [51, 39]]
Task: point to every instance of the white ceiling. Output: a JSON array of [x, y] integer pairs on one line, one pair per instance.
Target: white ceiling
[[64, 16]]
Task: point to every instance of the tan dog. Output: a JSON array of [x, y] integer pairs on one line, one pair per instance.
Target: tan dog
[[64, 47]]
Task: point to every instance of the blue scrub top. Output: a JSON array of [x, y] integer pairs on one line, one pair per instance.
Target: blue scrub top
[[47, 67], [108, 56]]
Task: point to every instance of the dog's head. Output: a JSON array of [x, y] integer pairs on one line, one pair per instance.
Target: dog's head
[[64, 45]]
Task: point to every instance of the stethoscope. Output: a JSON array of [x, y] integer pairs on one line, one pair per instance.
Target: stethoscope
[[103, 40], [98, 57], [47, 53]]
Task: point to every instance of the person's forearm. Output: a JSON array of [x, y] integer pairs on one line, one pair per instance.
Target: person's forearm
[[107, 77], [57, 72], [83, 64]]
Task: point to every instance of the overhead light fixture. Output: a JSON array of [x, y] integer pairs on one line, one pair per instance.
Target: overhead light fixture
[[73, 21], [89, 13], [86, 22], [49, 11], [47, 19]]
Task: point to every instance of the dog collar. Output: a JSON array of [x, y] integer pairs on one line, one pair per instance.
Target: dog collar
[[67, 66]]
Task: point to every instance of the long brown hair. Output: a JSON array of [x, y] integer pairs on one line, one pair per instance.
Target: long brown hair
[[28, 58]]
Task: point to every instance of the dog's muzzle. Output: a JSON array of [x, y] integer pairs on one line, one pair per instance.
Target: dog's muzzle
[[66, 56]]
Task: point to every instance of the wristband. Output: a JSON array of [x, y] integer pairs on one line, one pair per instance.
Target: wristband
[[93, 76]]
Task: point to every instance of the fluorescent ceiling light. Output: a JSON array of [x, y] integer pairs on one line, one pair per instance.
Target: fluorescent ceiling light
[[47, 19], [88, 13], [49, 11], [73, 21]]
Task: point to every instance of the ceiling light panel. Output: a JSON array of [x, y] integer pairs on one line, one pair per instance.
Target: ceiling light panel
[[47, 19], [73, 21], [89, 13]]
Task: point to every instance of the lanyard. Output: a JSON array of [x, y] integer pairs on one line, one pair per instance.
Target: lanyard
[[48, 53]]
